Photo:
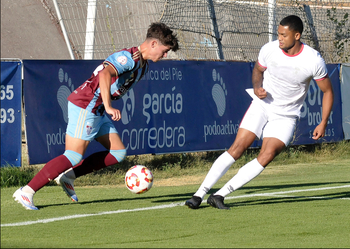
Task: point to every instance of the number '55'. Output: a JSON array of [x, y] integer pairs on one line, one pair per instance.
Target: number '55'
[[7, 92]]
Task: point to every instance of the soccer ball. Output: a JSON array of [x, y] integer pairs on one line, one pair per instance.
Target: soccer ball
[[138, 179]]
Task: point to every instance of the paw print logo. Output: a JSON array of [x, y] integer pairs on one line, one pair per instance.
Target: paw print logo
[[128, 106], [219, 93], [63, 92]]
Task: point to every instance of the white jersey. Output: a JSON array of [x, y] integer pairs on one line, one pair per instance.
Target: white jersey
[[287, 78]]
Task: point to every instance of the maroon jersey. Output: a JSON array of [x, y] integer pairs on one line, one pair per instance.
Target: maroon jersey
[[130, 68]]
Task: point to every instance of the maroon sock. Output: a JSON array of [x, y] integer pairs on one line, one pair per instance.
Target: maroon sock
[[94, 162], [50, 171]]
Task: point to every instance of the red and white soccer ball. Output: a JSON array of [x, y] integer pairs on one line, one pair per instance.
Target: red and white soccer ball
[[138, 179]]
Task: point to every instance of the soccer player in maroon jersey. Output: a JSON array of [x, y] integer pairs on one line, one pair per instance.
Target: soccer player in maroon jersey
[[87, 120]]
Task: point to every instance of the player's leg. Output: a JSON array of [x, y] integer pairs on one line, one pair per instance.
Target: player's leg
[[115, 153], [275, 140], [250, 128], [72, 156], [243, 140], [270, 148]]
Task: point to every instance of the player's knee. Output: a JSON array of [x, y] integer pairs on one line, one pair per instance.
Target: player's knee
[[266, 157], [73, 157], [237, 150], [119, 155]]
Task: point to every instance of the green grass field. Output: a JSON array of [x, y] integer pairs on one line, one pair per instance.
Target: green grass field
[[304, 205]]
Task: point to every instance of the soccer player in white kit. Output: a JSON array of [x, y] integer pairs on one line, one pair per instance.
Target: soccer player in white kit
[[280, 78]]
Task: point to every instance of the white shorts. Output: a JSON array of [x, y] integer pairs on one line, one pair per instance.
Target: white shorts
[[267, 124]]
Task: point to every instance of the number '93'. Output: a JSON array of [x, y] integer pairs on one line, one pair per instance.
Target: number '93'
[[7, 115]]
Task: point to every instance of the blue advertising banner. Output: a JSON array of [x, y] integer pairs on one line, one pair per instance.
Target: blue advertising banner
[[185, 106], [46, 87], [311, 113], [11, 102], [345, 93], [179, 106]]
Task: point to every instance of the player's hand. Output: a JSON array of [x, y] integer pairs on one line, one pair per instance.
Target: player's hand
[[319, 132], [115, 113], [260, 92]]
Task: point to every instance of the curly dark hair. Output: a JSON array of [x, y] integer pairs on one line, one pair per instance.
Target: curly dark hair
[[164, 34]]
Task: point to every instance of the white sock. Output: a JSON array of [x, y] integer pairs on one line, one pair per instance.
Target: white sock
[[219, 168], [244, 175], [70, 174], [28, 190]]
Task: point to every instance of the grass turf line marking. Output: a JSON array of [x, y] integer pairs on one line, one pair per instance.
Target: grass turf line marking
[[25, 223], [89, 215]]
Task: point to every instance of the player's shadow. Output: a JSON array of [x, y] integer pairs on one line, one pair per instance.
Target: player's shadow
[[291, 199], [253, 190], [139, 197], [261, 200]]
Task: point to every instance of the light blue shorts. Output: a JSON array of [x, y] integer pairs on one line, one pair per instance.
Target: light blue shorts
[[85, 125]]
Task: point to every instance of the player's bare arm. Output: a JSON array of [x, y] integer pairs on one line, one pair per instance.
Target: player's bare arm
[[105, 85], [257, 79], [327, 102]]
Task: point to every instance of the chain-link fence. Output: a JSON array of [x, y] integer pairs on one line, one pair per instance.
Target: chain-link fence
[[207, 29]]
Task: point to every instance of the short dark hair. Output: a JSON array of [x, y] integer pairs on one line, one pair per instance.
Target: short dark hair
[[164, 34], [293, 22]]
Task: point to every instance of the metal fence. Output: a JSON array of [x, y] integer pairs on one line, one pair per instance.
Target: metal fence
[[207, 29]]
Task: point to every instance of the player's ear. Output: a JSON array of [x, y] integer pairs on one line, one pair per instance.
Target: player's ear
[[297, 36], [154, 43]]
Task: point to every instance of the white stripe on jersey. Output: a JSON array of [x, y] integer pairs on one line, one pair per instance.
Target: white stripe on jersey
[[80, 124]]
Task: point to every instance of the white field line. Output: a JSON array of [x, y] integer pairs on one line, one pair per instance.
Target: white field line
[[277, 194]]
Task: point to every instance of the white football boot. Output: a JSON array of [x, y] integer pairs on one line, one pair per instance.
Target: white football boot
[[25, 199], [68, 186]]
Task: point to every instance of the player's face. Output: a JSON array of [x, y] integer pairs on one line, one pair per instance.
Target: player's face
[[287, 38], [158, 51]]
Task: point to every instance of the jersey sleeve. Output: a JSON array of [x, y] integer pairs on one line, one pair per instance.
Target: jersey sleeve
[[320, 68], [121, 62], [262, 55]]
